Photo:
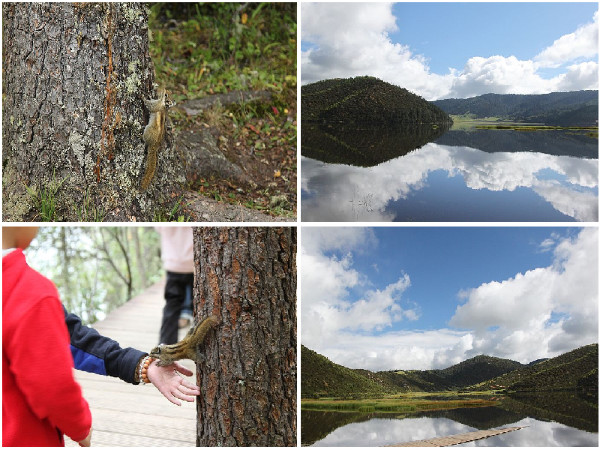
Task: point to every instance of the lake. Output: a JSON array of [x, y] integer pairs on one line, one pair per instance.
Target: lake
[[457, 175], [572, 423]]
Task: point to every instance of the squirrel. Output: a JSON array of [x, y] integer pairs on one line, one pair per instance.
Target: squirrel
[[188, 347], [154, 133]]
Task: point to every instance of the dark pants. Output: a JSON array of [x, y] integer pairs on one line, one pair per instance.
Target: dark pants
[[175, 290]]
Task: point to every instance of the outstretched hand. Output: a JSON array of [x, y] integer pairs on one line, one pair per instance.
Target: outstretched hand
[[171, 384]]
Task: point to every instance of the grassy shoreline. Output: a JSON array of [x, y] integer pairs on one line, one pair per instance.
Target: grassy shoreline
[[411, 402], [495, 123]]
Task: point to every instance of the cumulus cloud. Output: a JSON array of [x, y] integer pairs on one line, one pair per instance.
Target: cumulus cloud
[[556, 307], [582, 43], [351, 39]]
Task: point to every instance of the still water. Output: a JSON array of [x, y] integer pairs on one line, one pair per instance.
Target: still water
[[553, 419], [478, 175], [387, 431]]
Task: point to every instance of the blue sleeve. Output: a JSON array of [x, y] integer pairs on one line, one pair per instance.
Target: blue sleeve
[[95, 353]]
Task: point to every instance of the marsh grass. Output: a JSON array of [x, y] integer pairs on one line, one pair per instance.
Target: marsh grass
[[403, 403]]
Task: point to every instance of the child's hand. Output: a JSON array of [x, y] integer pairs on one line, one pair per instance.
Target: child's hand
[[87, 441], [172, 385]]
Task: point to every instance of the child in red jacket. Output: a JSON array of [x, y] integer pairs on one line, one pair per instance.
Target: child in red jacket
[[40, 398]]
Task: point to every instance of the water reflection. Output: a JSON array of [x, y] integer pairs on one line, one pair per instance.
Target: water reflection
[[380, 430], [484, 175], [438, 182], [364, 147]]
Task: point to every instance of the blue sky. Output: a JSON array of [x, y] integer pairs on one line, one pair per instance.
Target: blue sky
[[441, 50], [416, 298], [484, 29]]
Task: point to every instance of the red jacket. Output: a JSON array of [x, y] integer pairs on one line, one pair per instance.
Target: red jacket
[[40, 398]]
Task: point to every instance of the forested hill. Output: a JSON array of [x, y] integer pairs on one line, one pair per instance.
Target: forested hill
[[577, 369], [577, 108], [366, 101]]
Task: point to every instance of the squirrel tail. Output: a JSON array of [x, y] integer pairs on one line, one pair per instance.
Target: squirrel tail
[[150, 169]]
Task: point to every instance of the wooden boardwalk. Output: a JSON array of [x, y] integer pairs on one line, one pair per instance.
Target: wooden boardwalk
[[457, 438], [126, 415]]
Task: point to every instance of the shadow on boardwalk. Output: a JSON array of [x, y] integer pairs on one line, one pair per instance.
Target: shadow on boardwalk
[[126, 415]]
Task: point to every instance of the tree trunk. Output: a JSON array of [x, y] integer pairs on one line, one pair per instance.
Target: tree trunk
[[74, 79], [247, 278]]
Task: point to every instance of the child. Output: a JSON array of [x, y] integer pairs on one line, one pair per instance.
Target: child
[[40, 398]]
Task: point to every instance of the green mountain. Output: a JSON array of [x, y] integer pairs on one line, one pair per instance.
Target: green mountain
[[578, 108], [323, 378], [573, 370], [366, 100]]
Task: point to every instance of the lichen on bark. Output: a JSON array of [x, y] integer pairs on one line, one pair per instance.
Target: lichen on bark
[[75, 76]]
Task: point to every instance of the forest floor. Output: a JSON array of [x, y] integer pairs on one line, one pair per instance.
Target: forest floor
[[231, 70]]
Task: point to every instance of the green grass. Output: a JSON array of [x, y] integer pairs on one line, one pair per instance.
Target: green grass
[[469, 122], [412, 402], [45, 198], [201, 49], [220, 47]]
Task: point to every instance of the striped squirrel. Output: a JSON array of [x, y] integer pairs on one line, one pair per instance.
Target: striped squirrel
[[188, 347], [154, 133]]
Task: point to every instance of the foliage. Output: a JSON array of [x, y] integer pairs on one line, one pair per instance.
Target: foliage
[[219, 47], [201, 49], [579, 108], [363, 100], [96, 268]]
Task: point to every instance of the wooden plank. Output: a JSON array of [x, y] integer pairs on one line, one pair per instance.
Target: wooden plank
[[125, 415], [457, 438]]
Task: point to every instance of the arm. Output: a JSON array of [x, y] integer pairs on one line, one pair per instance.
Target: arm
[[42, 367], [95, 353]]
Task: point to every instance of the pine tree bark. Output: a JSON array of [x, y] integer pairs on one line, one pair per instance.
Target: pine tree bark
[[74, 79], [247, 278]]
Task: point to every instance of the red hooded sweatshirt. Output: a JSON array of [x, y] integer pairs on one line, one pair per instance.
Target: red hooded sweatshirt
[[40, 398]]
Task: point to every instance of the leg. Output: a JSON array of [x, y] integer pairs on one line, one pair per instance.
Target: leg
[[174, 297]]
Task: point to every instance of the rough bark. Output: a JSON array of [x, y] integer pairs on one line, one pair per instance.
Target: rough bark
[[74, 79], [247, 278]]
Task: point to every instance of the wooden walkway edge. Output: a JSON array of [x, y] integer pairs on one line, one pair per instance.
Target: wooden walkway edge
[[457, 438], [126, 415]]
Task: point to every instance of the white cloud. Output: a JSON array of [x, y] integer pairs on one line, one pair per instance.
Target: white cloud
[[327, 313], [351, 39], [499, 75], [582, 43], [555, 307]]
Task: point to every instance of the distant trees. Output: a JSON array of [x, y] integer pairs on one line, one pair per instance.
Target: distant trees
[[366, 100], [96, 269], [579, 108]]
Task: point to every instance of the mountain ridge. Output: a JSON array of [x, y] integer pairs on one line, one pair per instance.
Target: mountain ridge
[[571, 370], [573, 108]]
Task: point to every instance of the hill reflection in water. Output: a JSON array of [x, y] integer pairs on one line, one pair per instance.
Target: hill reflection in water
[[553, 419], [551, 181]]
